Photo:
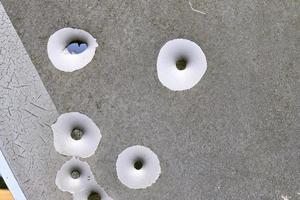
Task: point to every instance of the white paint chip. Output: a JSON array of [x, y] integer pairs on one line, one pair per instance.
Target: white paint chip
[[66, 145], [59, 54], [66, 183], [138, 167], [167, 64]]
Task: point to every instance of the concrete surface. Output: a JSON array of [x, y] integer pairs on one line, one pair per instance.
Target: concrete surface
[[233, 136]]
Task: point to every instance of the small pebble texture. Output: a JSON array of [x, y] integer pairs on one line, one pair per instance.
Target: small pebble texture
[[234, 136]]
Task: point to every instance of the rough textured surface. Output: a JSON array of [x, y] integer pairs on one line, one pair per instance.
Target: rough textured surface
[[233, 136], [26, 114]]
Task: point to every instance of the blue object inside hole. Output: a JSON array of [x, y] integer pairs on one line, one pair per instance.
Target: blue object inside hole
[[77, 47]]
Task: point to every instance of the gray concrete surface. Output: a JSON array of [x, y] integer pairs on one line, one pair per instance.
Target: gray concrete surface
[[233, 136]]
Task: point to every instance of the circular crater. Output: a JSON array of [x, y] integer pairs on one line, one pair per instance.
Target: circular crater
[[92, 191], [73, 176], [180, 64], [138, 167], [75, 134], [71, 49]]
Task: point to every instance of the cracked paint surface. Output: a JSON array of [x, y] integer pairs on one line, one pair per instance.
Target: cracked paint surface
[[26, 113]]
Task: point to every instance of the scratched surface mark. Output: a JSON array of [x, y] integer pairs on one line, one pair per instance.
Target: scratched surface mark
[[26, 111]]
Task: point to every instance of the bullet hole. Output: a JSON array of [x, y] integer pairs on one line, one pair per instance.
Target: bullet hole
[[138, 164], [77, 134], [181, 64], [75, 174], [94, 196]]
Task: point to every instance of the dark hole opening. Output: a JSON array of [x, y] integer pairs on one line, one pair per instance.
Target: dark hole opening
[[138, 164], [75, 174], [77, 41], [94, 196], [77, 134], [181, 63]]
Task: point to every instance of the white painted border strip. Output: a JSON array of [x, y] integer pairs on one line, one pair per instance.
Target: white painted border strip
[[10, 179]]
